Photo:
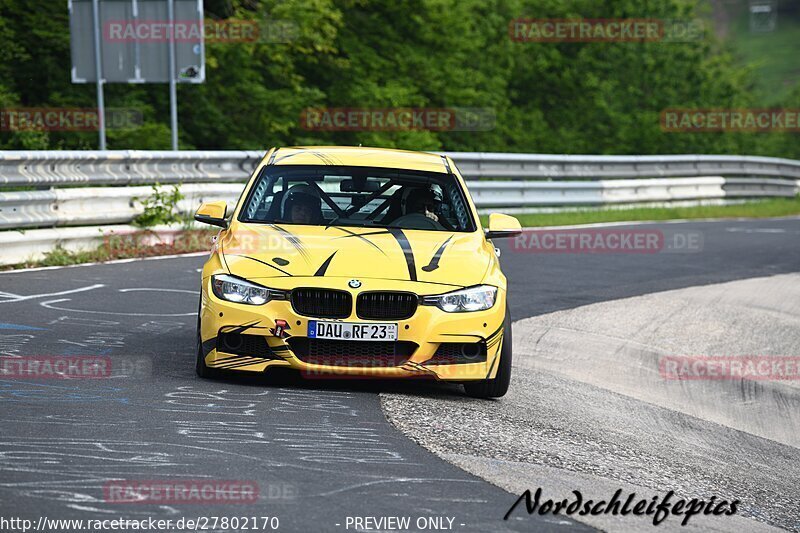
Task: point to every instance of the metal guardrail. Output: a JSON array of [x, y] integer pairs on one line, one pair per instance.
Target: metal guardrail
[[120, 205], [476, 165], [123, 167], [16, 247], [69, 195], [610, 192], [138, 167], [98, 205]]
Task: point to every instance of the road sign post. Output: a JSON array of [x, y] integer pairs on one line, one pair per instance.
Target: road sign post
[[173, 88], [137, 41], [101, 106]]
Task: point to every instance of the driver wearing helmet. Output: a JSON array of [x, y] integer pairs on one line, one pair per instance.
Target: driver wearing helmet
[[422, 200], [302, 205]]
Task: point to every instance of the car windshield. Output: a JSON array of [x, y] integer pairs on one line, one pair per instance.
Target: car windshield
[[358, 196]]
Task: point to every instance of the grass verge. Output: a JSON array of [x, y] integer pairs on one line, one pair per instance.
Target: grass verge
[[775, 207], [140, 244]]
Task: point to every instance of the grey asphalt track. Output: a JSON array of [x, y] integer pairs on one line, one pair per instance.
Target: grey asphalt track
[[591, 409], [318, 451]]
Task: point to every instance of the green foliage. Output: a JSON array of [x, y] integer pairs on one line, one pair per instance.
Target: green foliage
[[140, 244], [773, 55], [563, 97], [161, 207], [59, 256]]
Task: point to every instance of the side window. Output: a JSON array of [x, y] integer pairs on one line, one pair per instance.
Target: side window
[[261, 200], [457, 216]]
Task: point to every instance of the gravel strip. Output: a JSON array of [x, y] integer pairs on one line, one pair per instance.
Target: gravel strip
[[589, 411]]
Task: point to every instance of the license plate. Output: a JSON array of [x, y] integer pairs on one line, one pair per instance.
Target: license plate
[[352, 331]]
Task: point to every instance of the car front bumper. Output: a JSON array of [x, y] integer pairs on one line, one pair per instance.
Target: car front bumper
[[427, 329]]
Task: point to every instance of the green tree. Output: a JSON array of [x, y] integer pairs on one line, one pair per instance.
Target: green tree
[[546, 97]]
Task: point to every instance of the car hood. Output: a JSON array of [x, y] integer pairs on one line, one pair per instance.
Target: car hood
[[282, 250]]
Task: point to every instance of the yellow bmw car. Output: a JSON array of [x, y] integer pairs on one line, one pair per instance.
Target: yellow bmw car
[[356, 262]]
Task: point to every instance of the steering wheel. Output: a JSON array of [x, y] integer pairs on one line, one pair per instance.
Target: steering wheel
[[416, 221]]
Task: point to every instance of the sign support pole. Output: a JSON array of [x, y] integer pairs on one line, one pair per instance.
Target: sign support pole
[[101, 106], [173, 92]]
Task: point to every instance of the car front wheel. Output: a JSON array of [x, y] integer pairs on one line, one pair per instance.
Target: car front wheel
[[497, 386], [200, 364]]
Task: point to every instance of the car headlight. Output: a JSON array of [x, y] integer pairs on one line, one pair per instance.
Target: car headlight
[[243, 292], [477, 298]]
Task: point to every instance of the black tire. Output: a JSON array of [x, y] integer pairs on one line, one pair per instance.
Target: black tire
[[497, 386], [200, 367]]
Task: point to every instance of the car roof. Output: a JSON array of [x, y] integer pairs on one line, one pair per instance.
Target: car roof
[[357, 156]]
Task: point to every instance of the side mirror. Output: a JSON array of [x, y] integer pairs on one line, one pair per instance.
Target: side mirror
[[502, 226], [213, 213]]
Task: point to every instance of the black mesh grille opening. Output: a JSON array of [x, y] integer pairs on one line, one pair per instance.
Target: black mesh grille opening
[[455, 353], [323, 303], [351, 353], [386, 305], [238, 344]]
